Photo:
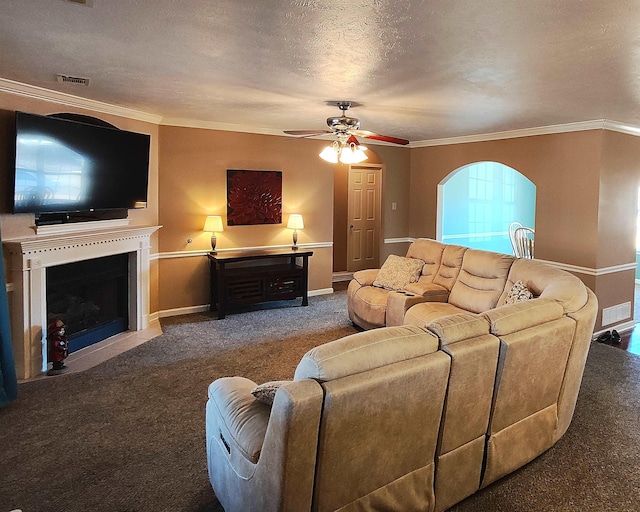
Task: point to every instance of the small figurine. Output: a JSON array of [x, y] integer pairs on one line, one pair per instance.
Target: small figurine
[[58, 348]]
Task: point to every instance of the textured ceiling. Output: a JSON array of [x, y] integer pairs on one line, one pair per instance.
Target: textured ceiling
[[419, 70]]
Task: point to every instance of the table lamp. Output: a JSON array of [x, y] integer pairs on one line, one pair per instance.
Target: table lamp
[[295, 223], [213, 225]]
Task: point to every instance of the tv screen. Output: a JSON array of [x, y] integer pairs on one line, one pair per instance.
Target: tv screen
[[63, 165]]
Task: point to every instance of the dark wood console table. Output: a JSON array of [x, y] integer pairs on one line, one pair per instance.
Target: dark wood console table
[[240, 278]]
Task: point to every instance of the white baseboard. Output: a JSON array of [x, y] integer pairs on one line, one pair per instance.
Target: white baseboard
[[165, 313], [341, 276], [322, 291], [182, 311], [623, 327]]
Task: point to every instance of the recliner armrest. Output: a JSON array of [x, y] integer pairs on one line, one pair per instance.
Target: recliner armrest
[[244, 417], [454, 328], [366, 277], [522, 315], [430, 291]]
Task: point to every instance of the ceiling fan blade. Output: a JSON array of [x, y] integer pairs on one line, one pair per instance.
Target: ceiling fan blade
[[307, 133], [376, 136]]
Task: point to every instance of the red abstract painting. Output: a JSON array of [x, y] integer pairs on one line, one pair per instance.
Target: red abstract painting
[[254, 197]]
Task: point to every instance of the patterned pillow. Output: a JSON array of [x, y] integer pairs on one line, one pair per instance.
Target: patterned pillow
[[266, 392], [397, 272], [518, 293]]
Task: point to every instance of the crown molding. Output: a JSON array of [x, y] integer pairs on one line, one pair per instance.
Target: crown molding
[[225, 127], [62, 98], [615, 126], [598, 124], [229, 127]]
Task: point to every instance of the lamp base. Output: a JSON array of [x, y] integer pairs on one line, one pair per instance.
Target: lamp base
[[214, 240]]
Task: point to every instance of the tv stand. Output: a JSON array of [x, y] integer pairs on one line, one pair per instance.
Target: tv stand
[[241, 278], [46, 219]]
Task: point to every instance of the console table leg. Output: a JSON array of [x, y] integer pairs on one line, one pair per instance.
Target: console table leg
[[305, 281]]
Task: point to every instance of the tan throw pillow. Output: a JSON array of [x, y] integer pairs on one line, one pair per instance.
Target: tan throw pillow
[[518, 293], [266, 392], [397, 272]]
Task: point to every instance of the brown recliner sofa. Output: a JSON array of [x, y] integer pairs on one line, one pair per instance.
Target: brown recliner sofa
[[361, 427]]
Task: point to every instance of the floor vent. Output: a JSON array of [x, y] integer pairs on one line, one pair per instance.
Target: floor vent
[[88, 3], [76, 80], [615, 314]]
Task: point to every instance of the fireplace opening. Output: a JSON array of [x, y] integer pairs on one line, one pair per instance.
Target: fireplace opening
[[91, 298]]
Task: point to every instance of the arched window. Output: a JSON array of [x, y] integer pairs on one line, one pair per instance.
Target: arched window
[[478, 202]]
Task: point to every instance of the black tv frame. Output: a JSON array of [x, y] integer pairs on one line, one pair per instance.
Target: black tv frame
[[51, 218]]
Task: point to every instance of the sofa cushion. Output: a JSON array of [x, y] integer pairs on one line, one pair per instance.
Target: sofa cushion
[[365, 351], [398, 271], [370, 305], [266, 392], [426, 312], [481, 280], [518, 293]]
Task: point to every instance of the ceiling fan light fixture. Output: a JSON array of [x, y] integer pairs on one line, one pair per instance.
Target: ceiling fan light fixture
[[347, 154], [352, 154], [329, 154]]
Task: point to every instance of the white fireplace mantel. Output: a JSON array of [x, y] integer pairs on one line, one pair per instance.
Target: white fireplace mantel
[[30, 257]]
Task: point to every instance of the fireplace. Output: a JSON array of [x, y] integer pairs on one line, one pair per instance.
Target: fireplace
[[90, 297], [36, 264]]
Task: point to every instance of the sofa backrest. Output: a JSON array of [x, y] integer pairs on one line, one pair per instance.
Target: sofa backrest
[[450, 266], [429, 251], [481, 280], [547, 282], [365, 351]]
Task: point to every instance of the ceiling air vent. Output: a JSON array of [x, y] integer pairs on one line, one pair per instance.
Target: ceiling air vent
[[76, 80], [83, 2]]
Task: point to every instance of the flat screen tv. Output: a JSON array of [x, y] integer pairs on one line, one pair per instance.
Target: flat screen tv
[[63, 165]]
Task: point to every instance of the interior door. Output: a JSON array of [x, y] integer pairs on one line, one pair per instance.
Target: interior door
[[364, 212]]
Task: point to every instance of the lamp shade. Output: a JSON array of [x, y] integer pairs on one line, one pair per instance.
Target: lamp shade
[[352, 155], [295, 221], [329, 154], [213, 224]]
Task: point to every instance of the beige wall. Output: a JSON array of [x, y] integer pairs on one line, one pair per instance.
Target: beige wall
[[586, 184], [564, 168], [192, 185], [617, 204]]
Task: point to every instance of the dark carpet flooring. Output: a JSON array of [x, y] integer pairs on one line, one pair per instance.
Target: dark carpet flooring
[[128, 435]]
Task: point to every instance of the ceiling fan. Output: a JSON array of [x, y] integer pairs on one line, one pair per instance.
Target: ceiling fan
[[346, 147]]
